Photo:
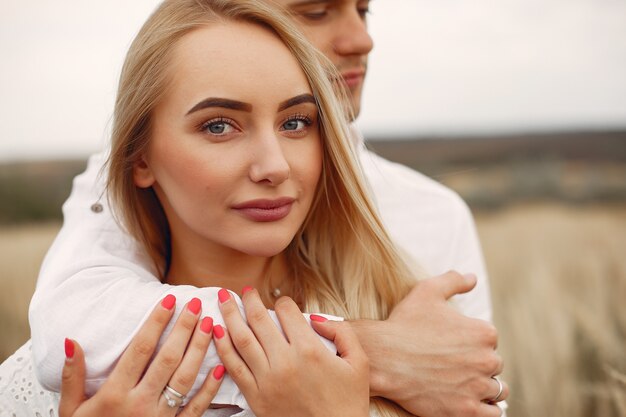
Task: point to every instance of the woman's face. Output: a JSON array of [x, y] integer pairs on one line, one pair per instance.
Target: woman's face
[[235, 152]]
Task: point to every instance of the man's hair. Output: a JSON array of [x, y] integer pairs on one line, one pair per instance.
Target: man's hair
[[343, 261]]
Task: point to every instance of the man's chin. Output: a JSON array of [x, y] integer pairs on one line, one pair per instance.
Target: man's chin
[[355, 105]]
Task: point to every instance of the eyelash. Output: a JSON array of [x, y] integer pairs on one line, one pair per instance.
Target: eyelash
[[300, 117]]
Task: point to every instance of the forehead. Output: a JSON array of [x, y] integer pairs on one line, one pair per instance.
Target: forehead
[[234, 59]]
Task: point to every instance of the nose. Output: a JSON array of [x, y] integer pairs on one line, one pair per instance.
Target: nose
[[352, 37], [269, 164]]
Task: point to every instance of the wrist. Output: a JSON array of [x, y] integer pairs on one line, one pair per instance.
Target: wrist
[[371, 335]]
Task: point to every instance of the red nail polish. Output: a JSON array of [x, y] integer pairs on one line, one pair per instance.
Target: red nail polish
[[218, 373], [218, 331], [246, 289], [168, 302], [69, 348], [206, 325], [315, 317], [194, 305], [223, 295]]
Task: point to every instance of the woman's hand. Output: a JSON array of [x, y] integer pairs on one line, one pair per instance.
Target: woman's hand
[[293, 375], [137, 387]]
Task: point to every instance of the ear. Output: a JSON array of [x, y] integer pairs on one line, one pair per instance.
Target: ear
[[142, 174]]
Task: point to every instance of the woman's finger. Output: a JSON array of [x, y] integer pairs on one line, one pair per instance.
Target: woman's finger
[[200, 402], [241, 336], [346, 341], [73, 379], [135, 358], [266, 331], [185, 375], [235, 365], [294, 324], [171, 353]]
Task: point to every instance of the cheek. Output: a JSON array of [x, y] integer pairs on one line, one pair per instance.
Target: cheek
[[310, 163], [184, 171]]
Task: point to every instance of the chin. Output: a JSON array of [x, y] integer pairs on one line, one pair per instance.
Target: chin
[[265, 249]]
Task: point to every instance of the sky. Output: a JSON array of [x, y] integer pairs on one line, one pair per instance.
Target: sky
[[439, 67]]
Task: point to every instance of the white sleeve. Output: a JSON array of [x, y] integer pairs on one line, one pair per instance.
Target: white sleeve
[[96, 286], [465, 255]]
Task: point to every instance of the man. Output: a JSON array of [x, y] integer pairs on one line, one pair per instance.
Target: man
[[426, 357]]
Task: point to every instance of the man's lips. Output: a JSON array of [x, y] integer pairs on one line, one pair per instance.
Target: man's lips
[[353, 78], [265, 210]]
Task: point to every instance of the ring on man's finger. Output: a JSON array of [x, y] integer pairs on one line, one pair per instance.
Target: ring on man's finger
[[173, 398], [500, 390]]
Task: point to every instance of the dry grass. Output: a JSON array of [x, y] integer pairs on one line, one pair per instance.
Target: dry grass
[[559, 284], [21, 252]]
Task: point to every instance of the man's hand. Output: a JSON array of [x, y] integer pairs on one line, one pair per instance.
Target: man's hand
[[429, 358]]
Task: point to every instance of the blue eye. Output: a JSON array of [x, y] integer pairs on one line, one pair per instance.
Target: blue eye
[[218, 127], [293, 125], [296, 123]]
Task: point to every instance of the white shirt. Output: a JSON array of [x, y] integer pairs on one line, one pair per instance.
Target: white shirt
[[97, 285]]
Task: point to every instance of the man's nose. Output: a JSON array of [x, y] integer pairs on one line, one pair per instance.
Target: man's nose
[[352, 37], [269, 164]]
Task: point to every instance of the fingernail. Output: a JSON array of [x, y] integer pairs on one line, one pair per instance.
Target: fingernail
[[315, 317], [469, 276], [194, 305], [218, 373], [223, 295], [69, 348], [218, 331], [246, 289], [168, 302], [206, 325]]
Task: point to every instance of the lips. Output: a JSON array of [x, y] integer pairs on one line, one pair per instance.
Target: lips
[[353, 78], [265, 210]]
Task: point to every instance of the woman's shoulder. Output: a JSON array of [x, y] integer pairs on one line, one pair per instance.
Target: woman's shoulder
[[20, 392]]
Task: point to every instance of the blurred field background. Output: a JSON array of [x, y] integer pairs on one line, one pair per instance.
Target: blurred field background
[[551, 214]]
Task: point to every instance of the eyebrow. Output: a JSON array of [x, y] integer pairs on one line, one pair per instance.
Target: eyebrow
[[294, 101], [224, 103]]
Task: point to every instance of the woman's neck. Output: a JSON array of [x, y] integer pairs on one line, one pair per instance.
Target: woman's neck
[[226, 268]]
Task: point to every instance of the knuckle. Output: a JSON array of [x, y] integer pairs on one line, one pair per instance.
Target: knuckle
[[493, 364], [238, 372], [489, 334], [183, 379], [229, 308], [188, 323], [143, 348], [469, 408], [162, 318], [454, 274], [256, 316], [243, 342], [67, 375], [283, 304], [307, 351], [110, 398], [169, 359]]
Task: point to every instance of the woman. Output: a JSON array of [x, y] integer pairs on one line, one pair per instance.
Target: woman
[[232, 182]]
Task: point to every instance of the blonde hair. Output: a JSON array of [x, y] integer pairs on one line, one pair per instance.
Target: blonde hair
[[343, 261]]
